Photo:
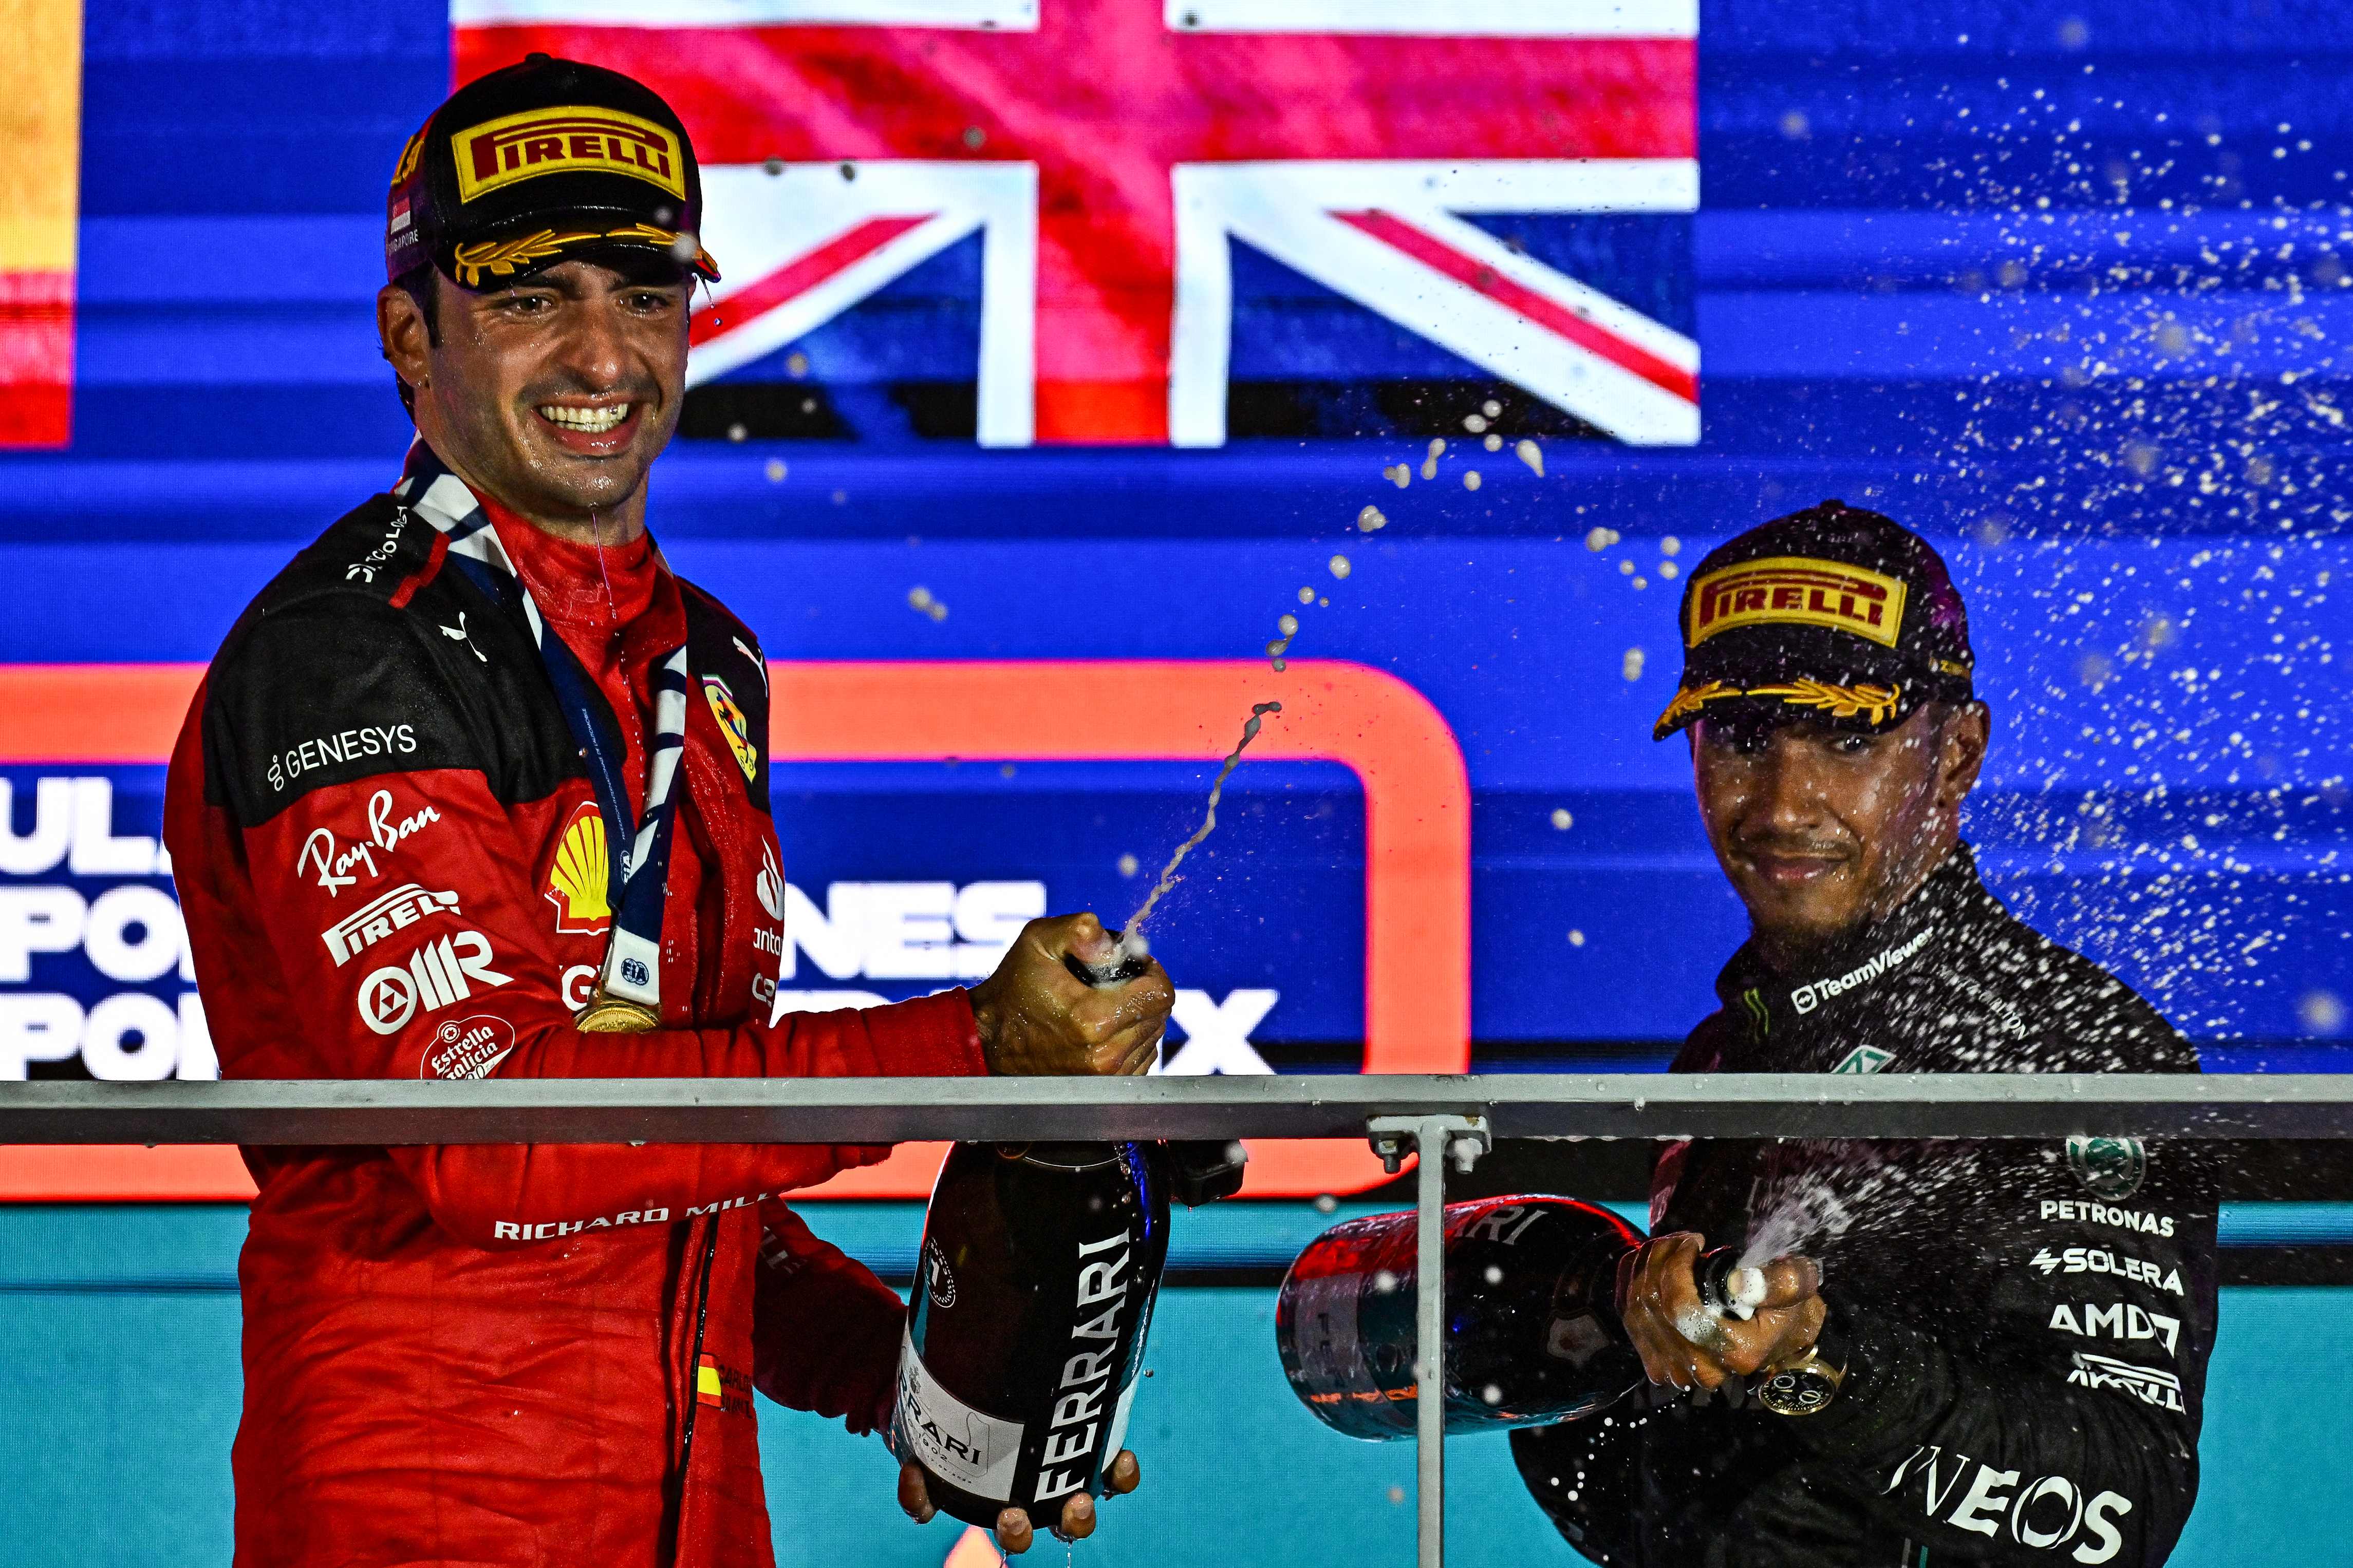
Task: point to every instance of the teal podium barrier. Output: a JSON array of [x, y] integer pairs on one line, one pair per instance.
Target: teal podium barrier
[[120, 1388]]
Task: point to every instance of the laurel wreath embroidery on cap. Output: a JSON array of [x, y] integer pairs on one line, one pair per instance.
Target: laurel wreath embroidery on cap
[[1876, 703], [1692, 699], [505, 256]]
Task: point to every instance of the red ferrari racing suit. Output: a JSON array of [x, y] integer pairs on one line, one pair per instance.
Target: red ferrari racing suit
[[393, 863]]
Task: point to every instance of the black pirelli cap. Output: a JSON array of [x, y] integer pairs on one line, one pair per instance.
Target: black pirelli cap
[[1832, 612], [538, 161]]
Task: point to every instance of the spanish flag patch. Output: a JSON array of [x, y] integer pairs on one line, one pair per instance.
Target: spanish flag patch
[[707, 1390]]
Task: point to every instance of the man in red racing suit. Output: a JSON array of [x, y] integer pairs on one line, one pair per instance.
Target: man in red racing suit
[[395, 860]]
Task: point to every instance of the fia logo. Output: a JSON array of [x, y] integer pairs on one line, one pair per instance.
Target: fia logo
[[633, 971]]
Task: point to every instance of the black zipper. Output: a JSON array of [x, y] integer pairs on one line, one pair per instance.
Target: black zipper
[[694, 1387]]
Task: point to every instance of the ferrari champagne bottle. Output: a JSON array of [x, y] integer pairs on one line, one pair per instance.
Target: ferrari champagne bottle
[[1033, 1293], [1533, 1335]]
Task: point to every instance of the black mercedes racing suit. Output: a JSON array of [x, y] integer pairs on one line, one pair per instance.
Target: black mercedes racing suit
[[2026, 1323]]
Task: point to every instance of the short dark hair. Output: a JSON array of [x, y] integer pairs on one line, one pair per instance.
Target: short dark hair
[[419, 285]]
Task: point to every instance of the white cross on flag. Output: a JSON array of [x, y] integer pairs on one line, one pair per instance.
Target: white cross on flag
[[1110, 154]]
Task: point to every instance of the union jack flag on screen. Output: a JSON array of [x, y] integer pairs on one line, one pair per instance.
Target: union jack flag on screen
[[1141, 222]]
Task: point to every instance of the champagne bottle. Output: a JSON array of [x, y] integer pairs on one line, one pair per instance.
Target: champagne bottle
[[1533, 1335], [1033, 1294]]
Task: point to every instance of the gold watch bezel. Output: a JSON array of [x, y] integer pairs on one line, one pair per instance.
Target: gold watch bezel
[[1807, 1372]]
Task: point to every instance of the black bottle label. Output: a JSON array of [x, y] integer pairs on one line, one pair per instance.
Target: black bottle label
[[1039, 1269]]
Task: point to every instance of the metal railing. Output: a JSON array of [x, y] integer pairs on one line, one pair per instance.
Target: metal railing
[[884, 1110], [1458, 1115]]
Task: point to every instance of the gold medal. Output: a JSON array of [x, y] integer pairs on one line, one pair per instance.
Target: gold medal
[[609, 1015]]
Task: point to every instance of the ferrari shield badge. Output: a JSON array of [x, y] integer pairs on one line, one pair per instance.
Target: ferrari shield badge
[[732, 725]]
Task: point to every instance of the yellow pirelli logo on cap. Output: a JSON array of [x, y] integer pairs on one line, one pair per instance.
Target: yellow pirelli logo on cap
[[566, 141], [1795, 590]]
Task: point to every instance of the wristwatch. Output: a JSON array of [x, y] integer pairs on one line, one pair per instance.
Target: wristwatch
[[1807, 1385]]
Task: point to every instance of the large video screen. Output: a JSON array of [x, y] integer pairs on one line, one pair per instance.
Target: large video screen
[[1084, 374]]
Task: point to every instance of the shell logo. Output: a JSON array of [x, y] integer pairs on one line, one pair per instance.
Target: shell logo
[[577, 879]]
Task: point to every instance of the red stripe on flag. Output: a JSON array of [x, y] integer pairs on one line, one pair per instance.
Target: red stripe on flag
[[800, 274], [1440, 257], [36, 358]]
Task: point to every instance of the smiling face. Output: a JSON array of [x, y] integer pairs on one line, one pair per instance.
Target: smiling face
[[553, 394], [1822, 831]]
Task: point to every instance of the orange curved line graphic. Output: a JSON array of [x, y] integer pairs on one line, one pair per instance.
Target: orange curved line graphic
[[1417, 837]]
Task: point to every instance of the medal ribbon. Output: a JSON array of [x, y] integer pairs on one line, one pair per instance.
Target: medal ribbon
[[637, 845]]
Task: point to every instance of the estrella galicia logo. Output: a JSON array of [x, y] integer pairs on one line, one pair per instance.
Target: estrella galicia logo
[[940, 1279], [2112, 1167], [633, 970]]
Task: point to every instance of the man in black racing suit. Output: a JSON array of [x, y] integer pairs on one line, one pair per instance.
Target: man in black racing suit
[[2002, 1355]]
